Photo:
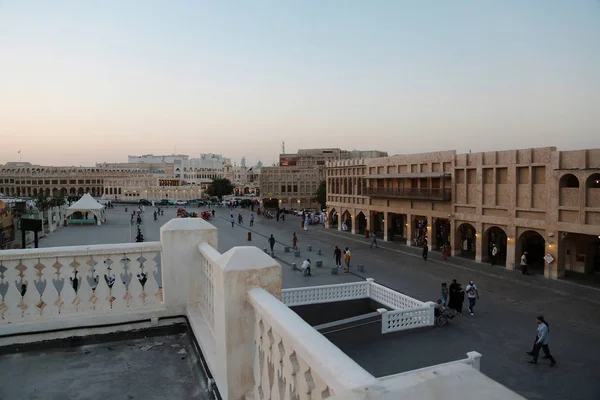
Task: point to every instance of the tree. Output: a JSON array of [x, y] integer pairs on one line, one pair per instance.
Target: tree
[[57, 200], [42, 202], [321, 194], [220, 187]]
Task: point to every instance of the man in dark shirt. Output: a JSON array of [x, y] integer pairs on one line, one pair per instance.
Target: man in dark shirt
[[337, 253]]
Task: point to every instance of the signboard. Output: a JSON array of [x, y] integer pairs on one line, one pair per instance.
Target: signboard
[[31, 224], [548, 258]]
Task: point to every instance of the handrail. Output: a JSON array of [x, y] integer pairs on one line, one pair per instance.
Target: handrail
[[89, 250]]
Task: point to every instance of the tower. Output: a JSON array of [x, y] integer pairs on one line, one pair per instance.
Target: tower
[[243, 162]]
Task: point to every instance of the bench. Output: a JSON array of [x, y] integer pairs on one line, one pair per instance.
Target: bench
[[74, 221]]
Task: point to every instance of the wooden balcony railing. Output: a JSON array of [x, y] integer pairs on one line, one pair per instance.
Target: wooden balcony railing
[[417, 194]]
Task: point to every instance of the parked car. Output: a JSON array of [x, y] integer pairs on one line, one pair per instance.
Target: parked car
[[144, 202], [165, 202], [181, 203]]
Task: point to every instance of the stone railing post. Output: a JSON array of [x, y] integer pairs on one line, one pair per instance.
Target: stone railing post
[[180, 238], [431, 305], [242, 268], [475, 359]]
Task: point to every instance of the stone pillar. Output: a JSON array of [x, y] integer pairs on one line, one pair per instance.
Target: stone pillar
[[430, 235], [478, 241], [511, 245], [409, 231], [180, 238], [386, 223], [354, 222], [452, 237], [551, 270], [242, 268]]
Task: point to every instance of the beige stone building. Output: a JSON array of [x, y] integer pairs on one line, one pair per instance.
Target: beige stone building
[[149, 187], [295, 181], [543, 201], [23, 179]]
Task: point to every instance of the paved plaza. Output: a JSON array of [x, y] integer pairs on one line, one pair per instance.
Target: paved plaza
[[502, 330]]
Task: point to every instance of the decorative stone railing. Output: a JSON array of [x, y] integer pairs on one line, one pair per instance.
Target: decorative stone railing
[[293, 360], [412, 318], [391, 298], [405, 312], [63, 282], [325, 293]]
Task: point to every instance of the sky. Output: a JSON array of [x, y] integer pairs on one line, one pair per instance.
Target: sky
[[93, 81]]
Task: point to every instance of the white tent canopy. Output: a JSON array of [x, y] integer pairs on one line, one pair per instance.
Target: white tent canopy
[[87, 204]]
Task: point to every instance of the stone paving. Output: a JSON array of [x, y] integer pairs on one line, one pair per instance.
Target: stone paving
[[502, 329]]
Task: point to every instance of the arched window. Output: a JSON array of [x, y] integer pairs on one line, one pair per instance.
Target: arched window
[[569, 181]]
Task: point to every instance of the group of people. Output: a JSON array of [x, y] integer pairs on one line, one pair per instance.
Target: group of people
[[453, 296], [338, 253]]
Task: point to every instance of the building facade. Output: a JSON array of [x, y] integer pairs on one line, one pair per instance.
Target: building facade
[[295, 181], [541, 201], [23, 179], [149, 187]]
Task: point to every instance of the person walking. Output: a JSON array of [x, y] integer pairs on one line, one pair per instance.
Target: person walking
[[425, 251], [337, 254], [295, 241], [453, 293], [541, 342], [524, 269], [444, 294], [374, 241], [232, 221], [460, 299], [240, 218], [252, 220], [444, 252], [472, 295], [272, 242], [494, 253], [213, 212], [347, 257]]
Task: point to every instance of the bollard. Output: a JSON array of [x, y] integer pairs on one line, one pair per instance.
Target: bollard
[[296, 254], [294, 267], [361, 268], [286, 249], [334, 270], [249, 236], [309, 247], [319, 264], [318, 252]]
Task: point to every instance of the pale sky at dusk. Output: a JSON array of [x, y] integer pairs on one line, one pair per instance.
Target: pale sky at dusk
[[88, 81]]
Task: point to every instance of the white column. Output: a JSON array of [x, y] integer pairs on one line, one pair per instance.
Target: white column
[[180, 238], [243, 268]]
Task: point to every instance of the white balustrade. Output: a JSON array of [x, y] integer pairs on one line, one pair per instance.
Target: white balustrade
[[294, 361], [325, 293], [37, 284], [392, 299], [400, 320], [209, 268]]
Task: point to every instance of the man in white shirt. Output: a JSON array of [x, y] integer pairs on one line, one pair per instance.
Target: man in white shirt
[[306, 266], [472, 295], [524, 269]]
